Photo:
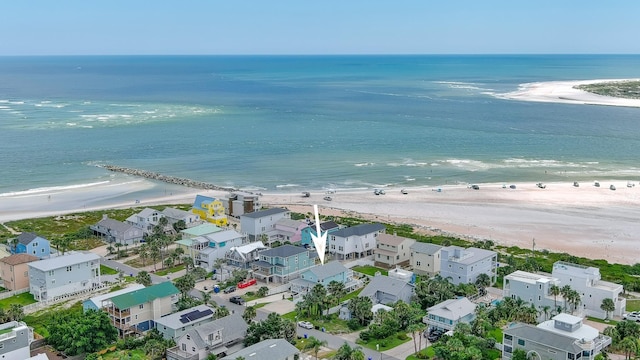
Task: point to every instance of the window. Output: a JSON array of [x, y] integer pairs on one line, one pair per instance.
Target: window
[[68, 268], [570, 356], [141, 306], [184, 347], [188, 336], [508, 337], [508, 349], [387, 257], [41, 250], [136, 317], [417, 263], [193, 348], [397, 257], [521, 342]]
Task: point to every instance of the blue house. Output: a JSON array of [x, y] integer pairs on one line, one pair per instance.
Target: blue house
[[325, 274], [283, 263], [328, 226], [32, 244]]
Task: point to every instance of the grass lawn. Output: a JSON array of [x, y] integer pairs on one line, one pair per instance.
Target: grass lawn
[[166, 271], [428, 352], [351, 295], [608, 322], [135, 354], [385, 344], [259, 305], [21, 299], [369, 270], [105, 270], [633, 305], [40, 319]]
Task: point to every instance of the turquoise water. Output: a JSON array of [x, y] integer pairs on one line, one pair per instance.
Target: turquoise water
[[290, 123]]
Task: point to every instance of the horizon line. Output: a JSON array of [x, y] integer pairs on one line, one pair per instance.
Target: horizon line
[[321, 55]]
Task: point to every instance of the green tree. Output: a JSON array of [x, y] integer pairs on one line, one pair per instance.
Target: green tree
[[185, 284], [360, 308], [16, 312], [555, 291], [346, 352], [179, 226], [249, 314], [75, 332], [206, 297], [263, 291], [519, 354], [629, 346], [221, 312], [337, 289], [143, 278], [608, 306], [273, 327], [314, 344], [483, 281]]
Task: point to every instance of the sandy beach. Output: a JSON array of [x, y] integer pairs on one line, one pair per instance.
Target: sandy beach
[[563, 92], [588, 221]]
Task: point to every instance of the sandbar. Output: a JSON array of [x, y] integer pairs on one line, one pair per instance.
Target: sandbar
[[589, 221], [564, 92]]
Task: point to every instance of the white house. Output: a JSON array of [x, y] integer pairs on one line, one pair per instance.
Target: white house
[[174, 215], [462, 266], [355, 241], [262, 222], [15, 338], [216, 247], [447, 314], [242, 256], [532, 288], [587, 282], [73, 273], [425, 258], [145, 219]]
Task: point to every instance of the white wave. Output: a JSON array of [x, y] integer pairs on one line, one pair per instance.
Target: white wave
[[364, 164], [467, 164], [51, 189], [287, 186]]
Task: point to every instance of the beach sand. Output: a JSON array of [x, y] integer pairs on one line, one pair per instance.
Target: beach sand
[[589, 221], [563, 92]]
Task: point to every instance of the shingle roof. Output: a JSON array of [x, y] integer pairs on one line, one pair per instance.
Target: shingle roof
[[384, 284], [115, 225], [175, 213], [425, 248], [541, 336], [248, 248], [469, 255], [18, 259], [327, 270], [173, 321], [69, 259], [145, 295], [26, 237], [358, 230], [233, 328], [270, 349], [284, 251], [453, 309], [146, 212], [263, 213], [222, 236]]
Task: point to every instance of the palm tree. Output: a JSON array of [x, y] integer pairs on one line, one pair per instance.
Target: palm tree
[[483, 281], [573, 297], [346, 352], [337, 289], [206, 297], [249, 314], [546, 310], [608, 306], [16, 313], [565, 291], [143, 278], [629, 345], [118, 245], [314, 344], [414, 328]]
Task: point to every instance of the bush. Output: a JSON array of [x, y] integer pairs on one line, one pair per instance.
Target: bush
[[402, 336], [353, 324], [422, 355], [365, 335]]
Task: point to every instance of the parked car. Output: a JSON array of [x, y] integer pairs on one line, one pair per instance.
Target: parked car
[[633, 316], [237, 300], [230, 289], [305, 324], [435, 335]]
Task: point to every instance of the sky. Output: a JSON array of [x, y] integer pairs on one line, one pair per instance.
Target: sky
[[188, 27]]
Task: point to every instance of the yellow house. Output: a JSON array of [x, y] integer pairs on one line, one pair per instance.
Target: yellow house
[[210, 209]]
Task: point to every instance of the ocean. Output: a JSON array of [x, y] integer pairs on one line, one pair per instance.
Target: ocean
[[300, 123]]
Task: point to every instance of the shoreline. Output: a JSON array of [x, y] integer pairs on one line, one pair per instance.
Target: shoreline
[[589, 221], [564, 92]]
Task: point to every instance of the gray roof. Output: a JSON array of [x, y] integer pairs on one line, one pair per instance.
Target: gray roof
[[327, 270], [233, 328], [112, 224], [393, 240], [263, 213], [224, 235], [71, 258], [26, 237], [172, 321], [541, 336], [358, 230], [425, 248], [284, 251], [469, 255], [146, 212], [453, 309], [174, 213], [270, 349], [384, 284]]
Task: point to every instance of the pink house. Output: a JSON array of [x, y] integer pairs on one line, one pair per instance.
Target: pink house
[[288, 230]]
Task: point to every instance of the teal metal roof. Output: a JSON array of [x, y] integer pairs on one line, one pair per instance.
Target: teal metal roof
[[145, 295], [201, 230]]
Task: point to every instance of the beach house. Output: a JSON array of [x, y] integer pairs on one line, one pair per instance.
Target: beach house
[[146, 220], [174, 216], [324, 274], [215, 246], [462, 266], [283, 263], [239, 203], [355, 241], [242, 256], [425, 258], [210, 209], [387, 290], [66, 275], [327, 226], [262, 222], [287, 230], [587, 281], [103, 300], [32, 244], [447, 314], [137, 311], [563, 337], [534, 289], [114, 231], [15, 271], [15, 340], [177, 324], [215, 337], [392, 251], [270, 349]]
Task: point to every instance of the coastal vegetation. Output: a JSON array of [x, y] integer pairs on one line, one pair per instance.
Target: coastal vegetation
[[620, 89]]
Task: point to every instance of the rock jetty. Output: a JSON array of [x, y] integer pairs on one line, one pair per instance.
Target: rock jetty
[[165, 178]]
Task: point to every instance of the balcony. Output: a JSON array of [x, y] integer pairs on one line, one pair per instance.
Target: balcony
[[175, 353], [117, 313]]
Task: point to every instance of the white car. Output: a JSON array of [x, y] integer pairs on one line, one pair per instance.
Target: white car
[[305, 324], [634, 316]]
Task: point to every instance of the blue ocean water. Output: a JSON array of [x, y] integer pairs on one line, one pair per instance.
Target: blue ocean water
[[285, 123]]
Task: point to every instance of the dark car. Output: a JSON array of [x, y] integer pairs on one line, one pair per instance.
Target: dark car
[[435, 335], [237, 300], [230, 289]]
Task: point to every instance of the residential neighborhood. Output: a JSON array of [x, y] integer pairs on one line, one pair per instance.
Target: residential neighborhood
[[211, 285]]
